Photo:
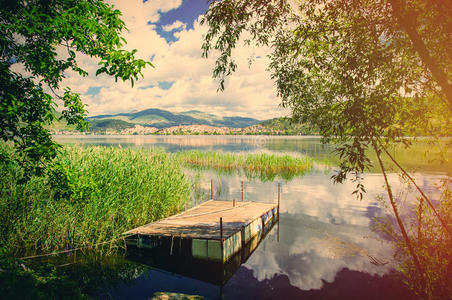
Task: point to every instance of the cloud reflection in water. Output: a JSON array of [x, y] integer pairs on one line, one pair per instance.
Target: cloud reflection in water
[[323, 228]]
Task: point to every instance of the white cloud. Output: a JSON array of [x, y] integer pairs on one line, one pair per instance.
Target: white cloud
[[249, 92], [176, 25], [137, 12]]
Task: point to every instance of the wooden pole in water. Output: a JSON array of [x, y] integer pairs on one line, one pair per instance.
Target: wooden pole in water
[[221, 239], [279, 196], [242, 192], [211, 189]]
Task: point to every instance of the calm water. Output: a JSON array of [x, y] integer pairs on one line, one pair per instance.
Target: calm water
[[323, 247]]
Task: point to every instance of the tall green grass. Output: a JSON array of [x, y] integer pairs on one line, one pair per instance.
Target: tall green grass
[[265, 166], [89, 195]]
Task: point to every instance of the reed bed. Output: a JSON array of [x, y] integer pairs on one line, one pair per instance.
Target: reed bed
[[89, 195], [263, 165]]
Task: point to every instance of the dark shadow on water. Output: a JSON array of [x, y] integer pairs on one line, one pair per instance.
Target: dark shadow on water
[[233, 280], [346, 285]]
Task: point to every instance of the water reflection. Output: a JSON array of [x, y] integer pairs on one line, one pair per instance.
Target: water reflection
[[325, 245], [323, 229]]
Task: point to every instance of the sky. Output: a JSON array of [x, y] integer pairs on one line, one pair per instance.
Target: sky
[[168, 33]]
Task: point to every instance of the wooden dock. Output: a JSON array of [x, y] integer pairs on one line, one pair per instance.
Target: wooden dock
[[181, 261], [214, 230]]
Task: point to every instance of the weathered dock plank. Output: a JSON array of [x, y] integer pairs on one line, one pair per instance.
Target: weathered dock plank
[[203, 221]]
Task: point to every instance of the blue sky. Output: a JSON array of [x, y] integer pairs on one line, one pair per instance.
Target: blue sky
[[168, 33], [187, 13]]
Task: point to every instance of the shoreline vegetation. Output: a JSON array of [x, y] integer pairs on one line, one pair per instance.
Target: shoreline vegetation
[[424, 154], [92, 194]]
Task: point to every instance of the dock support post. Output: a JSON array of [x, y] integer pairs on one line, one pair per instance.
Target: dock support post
[[180, 244], [172, 245], [279, 196], [221, 239], [242, 192], [242, 231], [207, 249], [211, 189]]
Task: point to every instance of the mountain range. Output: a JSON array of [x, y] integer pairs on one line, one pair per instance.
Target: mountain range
[[159, 118], [158, 121]]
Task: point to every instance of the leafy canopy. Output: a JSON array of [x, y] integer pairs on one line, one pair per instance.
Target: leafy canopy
[[31, 32], [348, 67]]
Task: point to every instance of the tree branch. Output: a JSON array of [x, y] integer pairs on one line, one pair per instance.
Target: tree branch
[[407, 22], [444, 225], [398, 219]]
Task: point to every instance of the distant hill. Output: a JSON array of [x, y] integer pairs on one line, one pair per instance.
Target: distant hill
[[108, 124], [163, 119]]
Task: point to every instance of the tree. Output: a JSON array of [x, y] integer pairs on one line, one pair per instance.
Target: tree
[[366, 73], [428, 24], [31, 31]]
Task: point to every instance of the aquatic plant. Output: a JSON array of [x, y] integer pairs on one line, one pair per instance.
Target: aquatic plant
[[264, 166]]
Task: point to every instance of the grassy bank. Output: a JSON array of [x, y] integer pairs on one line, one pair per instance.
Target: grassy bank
[[265, 166], [89, 195]]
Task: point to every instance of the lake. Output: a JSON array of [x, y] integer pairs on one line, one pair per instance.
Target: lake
[[323, 247]]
